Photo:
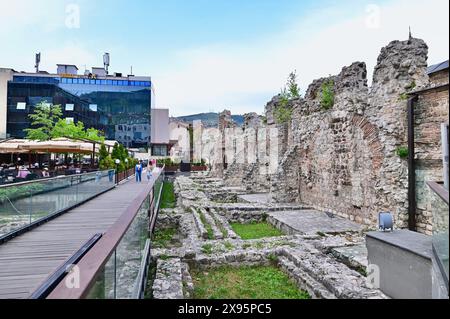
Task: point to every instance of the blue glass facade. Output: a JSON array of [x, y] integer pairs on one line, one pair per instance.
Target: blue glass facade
[[119, 107]]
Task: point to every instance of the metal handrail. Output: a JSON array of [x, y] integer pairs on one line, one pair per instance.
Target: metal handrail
[[6, 237], [439, 190], [94, 261], [49, 179], [443, 194]]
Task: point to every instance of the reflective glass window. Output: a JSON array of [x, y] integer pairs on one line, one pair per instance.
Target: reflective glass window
[[21, 105]]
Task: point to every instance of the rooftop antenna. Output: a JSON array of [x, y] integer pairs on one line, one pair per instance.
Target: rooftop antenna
[[38, 61], [106, 61]]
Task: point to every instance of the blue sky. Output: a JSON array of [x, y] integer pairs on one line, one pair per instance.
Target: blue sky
[[207, 55]]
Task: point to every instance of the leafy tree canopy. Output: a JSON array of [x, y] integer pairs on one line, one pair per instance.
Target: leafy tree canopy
[[48, 123], [43, 120]]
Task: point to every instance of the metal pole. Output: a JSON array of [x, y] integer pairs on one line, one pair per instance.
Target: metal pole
[[445, 147], [411, 167]]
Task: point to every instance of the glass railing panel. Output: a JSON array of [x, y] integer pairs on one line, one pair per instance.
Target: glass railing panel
[[119, 279], [105, 285], [25, 203], [158, 185], [129, 254], [440, 231]]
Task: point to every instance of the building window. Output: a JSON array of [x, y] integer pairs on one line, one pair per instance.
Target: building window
[[159, 150], [69, 120], [93, 107], [21, 105], [70, 107]]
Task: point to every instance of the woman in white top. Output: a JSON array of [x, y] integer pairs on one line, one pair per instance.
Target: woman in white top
[[149, 170]]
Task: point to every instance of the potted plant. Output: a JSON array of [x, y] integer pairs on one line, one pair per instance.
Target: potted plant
[[199, 166], [170, 166]]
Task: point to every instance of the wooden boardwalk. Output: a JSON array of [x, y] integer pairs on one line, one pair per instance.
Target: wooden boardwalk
[[26, 261]]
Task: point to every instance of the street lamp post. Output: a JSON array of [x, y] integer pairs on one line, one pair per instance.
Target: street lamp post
[[117, 170]]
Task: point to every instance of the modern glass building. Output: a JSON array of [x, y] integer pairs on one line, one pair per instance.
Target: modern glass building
[[117, 105]]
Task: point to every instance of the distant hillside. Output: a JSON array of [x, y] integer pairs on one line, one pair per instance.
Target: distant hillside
[[209, 119]]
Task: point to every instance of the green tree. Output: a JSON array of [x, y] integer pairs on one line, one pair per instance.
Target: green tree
[[43, 119], [293, 89], [95, 135], [63, 128], [106, 163], [327, 94], [103, 153], [120, 152]]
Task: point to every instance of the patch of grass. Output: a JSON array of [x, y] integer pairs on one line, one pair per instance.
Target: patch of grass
[[362, 271], [281, 243], [403, 96], [163, 237], [168, 199], [148, 294], [260, 282], [207, 249], [272, 258], [259, 245], [222, 229], [228, 245], [255, 230], [206, 224], [411, 86]]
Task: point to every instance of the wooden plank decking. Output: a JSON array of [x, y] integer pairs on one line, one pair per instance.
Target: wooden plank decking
[[26, 261]]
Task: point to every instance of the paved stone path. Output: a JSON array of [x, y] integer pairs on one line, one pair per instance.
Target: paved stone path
[[312, 222], [353, 256], [262, 198]]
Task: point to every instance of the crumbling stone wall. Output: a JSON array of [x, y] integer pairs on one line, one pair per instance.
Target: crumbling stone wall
[[344, 159], [347, 159]]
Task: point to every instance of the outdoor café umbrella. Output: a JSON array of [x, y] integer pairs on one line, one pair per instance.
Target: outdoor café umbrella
[[57, 146]]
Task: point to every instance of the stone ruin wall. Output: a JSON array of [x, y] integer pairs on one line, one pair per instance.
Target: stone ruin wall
[[346, 157], [343, 160]]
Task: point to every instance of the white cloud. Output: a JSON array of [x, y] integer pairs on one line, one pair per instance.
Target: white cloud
[[71, 52], [244, 77], [20, 14]]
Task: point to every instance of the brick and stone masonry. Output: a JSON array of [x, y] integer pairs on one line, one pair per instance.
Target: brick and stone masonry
[[343, 159]]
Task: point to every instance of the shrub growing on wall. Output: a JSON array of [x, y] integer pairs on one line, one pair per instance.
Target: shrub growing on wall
[[402, 152], [327, 95], [283, 112]]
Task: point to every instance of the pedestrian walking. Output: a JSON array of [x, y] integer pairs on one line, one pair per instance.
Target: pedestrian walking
[[149, 170], [139, 172]]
